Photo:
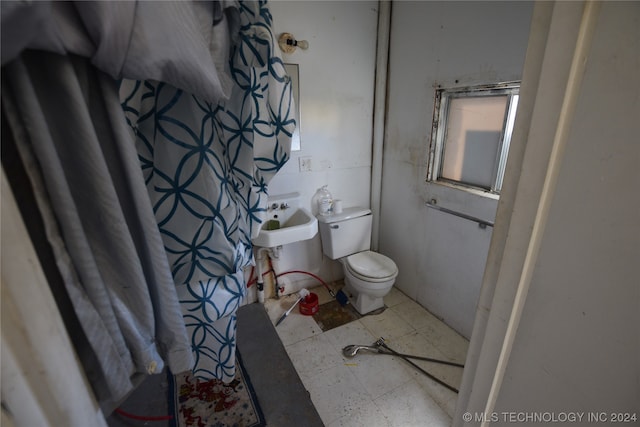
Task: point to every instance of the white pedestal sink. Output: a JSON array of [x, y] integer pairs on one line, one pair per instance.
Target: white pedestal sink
[[286, 223]]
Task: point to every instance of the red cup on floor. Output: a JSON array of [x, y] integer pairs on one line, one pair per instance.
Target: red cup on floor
[[309, 305]]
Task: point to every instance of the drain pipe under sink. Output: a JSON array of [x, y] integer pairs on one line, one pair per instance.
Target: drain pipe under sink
[[260, 256]]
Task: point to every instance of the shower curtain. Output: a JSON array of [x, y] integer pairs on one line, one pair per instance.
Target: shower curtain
[[206, 167], [150, 235]]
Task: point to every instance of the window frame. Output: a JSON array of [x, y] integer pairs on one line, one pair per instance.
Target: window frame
[[439, 131]]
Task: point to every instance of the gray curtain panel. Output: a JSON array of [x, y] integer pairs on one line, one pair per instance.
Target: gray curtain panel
[[175, 42], [70, 128]]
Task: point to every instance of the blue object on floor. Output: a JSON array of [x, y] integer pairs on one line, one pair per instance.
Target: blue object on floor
[[342, 298]]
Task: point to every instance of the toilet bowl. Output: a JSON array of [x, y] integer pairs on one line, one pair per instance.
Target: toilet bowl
[[369, 276]]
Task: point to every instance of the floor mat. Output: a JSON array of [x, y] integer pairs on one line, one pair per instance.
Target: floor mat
[[331, 315], [199, 403]]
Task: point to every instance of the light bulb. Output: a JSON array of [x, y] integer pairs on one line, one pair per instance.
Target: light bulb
[[288, 43]]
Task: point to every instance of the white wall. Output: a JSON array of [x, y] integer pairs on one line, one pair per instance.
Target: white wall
[[336, 102], [449, 44], [43, 383]]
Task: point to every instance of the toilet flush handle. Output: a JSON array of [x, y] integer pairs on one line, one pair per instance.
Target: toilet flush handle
[[334, 226]]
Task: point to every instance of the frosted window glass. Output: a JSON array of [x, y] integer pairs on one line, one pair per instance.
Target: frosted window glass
[[474, 127]]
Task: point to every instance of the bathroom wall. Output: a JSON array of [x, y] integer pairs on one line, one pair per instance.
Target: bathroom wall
[[429, 43], [336, 76], [453, 44]]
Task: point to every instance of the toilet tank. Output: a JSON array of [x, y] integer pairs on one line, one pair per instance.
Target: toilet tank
[[346, 233]]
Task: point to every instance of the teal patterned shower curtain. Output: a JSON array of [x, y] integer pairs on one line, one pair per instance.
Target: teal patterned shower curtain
[[206, 167]]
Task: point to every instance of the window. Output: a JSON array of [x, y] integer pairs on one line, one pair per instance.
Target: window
[[471, 135]]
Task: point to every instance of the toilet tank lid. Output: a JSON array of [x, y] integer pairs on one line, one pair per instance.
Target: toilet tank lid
[[347, 213]]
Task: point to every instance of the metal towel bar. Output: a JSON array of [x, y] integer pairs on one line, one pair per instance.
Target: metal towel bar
[[481, 222]]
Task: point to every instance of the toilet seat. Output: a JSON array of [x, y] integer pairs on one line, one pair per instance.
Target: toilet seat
[[371, 267]]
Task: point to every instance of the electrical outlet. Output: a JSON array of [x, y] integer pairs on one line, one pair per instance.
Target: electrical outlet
[[305, 164]]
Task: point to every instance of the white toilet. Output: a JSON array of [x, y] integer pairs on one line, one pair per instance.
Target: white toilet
[[369, 275]]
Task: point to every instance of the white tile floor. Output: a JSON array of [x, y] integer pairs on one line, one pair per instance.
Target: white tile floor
[[369, 389]]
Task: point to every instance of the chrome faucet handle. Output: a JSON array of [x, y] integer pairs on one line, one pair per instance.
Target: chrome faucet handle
[[284, 206], [274, 206]]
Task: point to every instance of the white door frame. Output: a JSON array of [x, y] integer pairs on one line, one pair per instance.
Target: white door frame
[[43, 383]]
